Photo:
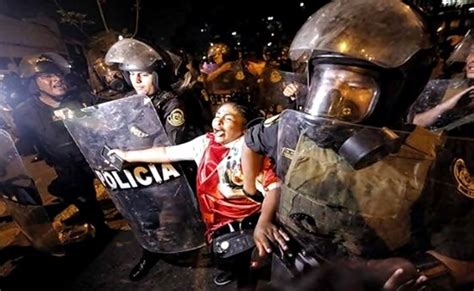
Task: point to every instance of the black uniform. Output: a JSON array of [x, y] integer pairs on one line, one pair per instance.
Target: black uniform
[[38, 127], [171, 112]]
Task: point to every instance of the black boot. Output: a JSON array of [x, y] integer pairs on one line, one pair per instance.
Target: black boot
[[146, 263]]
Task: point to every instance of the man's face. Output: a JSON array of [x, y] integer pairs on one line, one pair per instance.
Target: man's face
[[470, 66], [52, 84], [142, 82]]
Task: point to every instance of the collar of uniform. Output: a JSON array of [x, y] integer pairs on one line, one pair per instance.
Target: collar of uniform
[[45, 106]]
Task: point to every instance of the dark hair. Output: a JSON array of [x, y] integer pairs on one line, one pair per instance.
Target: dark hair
[[251, 116]]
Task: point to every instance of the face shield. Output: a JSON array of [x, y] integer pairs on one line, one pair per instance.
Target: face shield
[[339, 92], [462, 49]]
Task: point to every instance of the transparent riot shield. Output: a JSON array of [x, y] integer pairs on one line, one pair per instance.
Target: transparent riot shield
[[440, 91], [23, 202], [156, 199], [408, 187]]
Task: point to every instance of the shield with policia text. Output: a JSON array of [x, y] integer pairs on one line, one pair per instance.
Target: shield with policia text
[[155, 199], [23, 201]]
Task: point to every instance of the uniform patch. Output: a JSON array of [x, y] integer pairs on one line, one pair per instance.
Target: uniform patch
[[463, 178], [271, 120], [275, 76], [176, 118], [240, 75]]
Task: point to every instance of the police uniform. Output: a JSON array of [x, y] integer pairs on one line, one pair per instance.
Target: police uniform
[[228, 86], [171, 111], [268, 89], [38, 126], [417, 199]]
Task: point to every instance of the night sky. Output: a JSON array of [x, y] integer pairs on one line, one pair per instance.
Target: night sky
[[192, 25]]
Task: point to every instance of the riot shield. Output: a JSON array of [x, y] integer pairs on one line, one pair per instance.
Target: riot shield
[[23, 201], [419, 180], [462, 49], [439, 91], [156, 199]]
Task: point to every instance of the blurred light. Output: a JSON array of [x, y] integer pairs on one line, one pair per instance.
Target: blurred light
[[272, 34], [234, 32], [120, 37], [270, 18], [203, 57], [238, 43], [269, 44], [440, 28], [301, 4], [211, 43], [343, 46], [471, 9], [202, 29]]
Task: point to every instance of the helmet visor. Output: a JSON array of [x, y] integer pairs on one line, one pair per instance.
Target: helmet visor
[[341, 93]]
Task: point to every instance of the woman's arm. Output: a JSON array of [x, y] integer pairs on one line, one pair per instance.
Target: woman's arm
[[182, 152], [265, 231], [151, 155], [427, 118]]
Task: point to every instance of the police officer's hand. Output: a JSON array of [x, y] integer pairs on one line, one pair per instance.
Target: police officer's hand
[[290, 91], [63, 113], [265, 234], [396, 273]]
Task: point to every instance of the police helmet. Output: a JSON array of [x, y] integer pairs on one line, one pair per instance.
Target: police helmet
[[219, 48], [367, 60], [133, 55], [43, 63]]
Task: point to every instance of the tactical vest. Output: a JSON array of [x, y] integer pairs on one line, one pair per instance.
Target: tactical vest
[[365, 212]]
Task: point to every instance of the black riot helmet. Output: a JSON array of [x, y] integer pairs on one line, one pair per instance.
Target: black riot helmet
[[133, 55], [48, 63], [43, 63], [367, 60]]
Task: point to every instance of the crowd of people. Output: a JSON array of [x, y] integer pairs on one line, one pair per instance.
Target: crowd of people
[[357, 168]]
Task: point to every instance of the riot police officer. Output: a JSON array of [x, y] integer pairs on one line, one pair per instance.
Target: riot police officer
[[150, 72], [225, 78], [395, 201], [39, 125]]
